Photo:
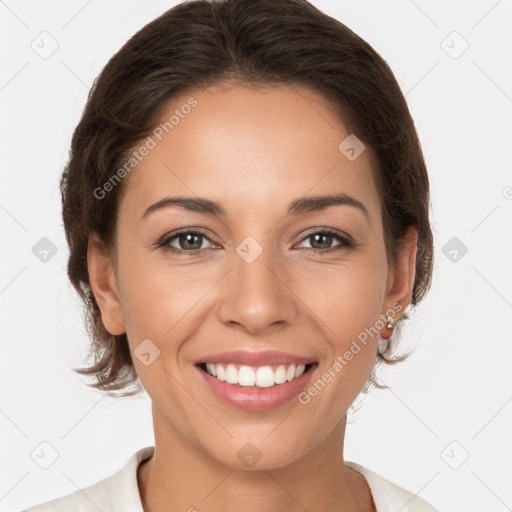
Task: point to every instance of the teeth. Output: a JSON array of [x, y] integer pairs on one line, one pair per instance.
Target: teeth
[[212, 369], [231, 374], [299, 370], [220, 372], [280, 375], [261, 377], [246, 376], [265, 377]]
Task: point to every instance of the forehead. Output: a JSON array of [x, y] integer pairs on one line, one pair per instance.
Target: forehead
[[242, 145]]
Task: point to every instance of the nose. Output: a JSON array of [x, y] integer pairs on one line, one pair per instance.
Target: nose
[[257, 296]]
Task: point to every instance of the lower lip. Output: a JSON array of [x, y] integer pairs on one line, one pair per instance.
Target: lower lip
[[256, 399]]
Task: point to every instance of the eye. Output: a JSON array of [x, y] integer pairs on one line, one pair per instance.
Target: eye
[[191, 241], [321, 241], [183, 242]]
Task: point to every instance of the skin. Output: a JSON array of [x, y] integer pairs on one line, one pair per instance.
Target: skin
[[254, 151]]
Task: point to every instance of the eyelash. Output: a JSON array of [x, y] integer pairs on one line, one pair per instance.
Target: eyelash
[[346, 243]]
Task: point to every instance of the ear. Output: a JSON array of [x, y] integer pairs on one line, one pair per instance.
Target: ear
[[103, 284], [401, 276]]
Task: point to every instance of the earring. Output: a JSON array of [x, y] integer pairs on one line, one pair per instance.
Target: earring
[[390, 325]]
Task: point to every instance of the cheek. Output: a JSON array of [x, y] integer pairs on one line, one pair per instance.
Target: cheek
[[350, 312], [161, 302], [348, 298], [349, 304], [153, 306]]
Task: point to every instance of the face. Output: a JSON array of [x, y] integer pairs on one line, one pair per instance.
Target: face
[[249, 280]]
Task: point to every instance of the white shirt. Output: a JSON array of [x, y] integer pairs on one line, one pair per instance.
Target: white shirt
[[120, 492]]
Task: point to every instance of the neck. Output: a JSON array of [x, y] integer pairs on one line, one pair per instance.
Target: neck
[[180, 476]]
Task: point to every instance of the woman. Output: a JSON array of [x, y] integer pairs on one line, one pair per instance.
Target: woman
[[246, 206]]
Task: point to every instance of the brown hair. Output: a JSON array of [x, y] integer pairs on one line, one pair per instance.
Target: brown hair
[[198, 43]]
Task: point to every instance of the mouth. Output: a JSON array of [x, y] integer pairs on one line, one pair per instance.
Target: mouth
[[256, 381]]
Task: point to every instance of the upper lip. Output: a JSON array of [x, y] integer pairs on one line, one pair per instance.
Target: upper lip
[[249, 358]]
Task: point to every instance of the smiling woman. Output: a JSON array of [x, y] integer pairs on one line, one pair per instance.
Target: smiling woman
[[247, 271]]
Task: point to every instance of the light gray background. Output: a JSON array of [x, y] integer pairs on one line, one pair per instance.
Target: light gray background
[[450, 400]]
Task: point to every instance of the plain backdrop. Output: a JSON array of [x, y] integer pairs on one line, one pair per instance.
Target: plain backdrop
[[442, 430]]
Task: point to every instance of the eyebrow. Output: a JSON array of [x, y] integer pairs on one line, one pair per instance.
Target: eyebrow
[[296, 207]]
